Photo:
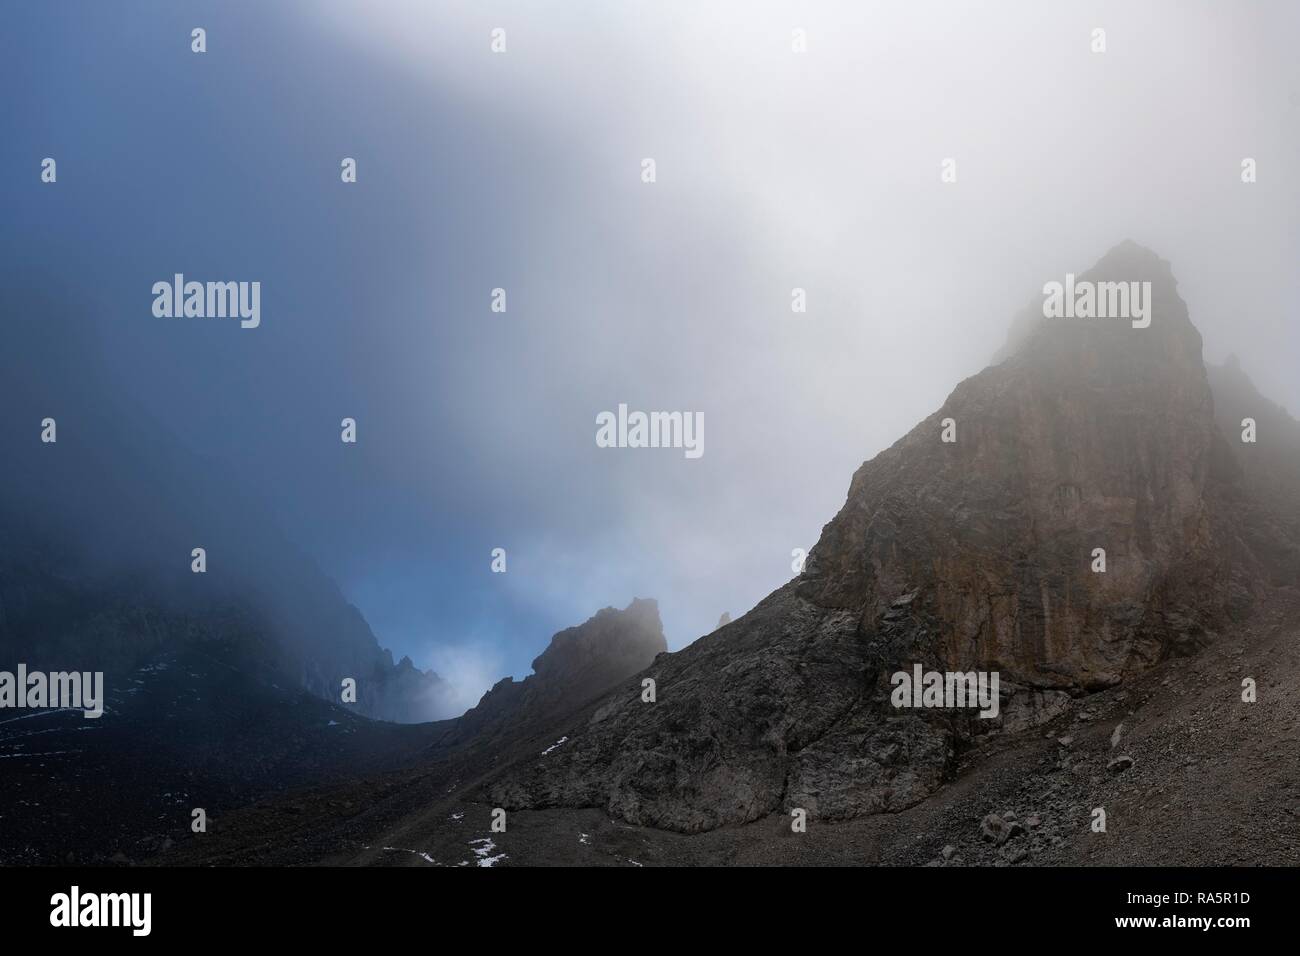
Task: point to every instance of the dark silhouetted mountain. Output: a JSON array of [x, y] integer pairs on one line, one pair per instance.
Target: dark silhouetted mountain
[[209, 721], [96, 532], [205, 724], [512, 720]]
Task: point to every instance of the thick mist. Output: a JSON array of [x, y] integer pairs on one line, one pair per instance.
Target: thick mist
[[774, 171]]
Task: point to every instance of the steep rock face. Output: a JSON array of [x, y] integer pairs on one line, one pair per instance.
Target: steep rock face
[[766, 711], [1094, 434], [970, 555], [1270, 466], [580, 663]]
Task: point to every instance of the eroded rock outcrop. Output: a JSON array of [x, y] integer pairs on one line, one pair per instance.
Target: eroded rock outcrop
[[581, 663]]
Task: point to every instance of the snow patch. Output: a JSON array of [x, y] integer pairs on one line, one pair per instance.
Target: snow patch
[[486, 846], [420, 853]]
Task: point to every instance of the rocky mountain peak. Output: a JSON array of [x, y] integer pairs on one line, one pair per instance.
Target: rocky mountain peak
[[1105, 288], [616, 642], [1097, 433], [1067, 519], [579, 664]]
